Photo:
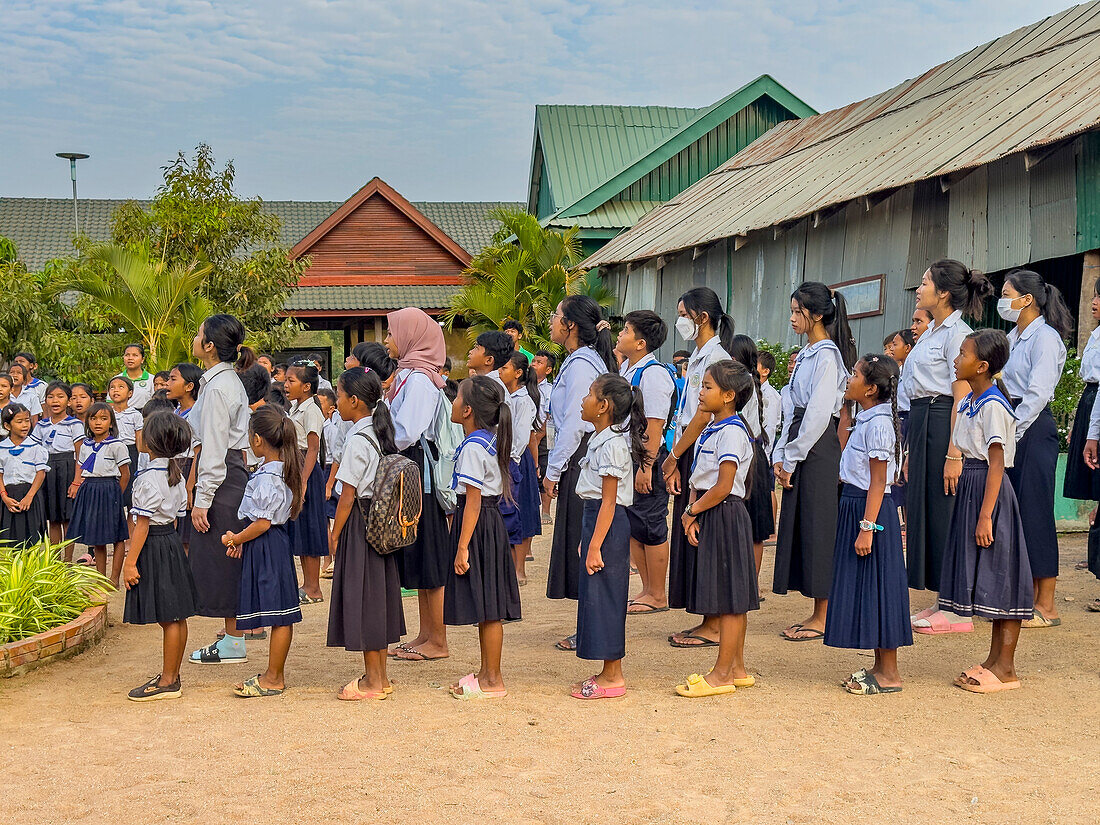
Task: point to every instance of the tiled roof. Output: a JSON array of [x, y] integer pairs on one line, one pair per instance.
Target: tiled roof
[[42, 228], [372, 297]]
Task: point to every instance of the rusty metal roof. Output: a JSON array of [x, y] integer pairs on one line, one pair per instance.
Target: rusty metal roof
[[1031, 88]]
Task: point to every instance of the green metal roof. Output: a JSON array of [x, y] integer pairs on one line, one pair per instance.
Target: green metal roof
[[371, 297], [611, 215]]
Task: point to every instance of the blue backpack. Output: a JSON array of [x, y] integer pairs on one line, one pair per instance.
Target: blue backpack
[[636, 381]]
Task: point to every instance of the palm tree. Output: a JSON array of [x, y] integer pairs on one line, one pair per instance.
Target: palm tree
[[157, 301]]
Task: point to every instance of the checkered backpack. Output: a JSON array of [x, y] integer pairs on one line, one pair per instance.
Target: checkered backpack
[[393, 511]]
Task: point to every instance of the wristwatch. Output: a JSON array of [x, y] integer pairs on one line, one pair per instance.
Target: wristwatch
[[869, 526], [688, 511]]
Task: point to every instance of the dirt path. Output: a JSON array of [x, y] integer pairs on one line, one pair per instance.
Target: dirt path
[[793, 749]]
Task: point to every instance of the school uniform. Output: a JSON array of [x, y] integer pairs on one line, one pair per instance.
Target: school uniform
[[60, 441], [869, 598], [899, 486], [38, 387], [29, 399], [130, 422], [186, 459], [166, 590], [309, 531], [424, 564], [809, 449], [489, 590], [773, 413], [603, 595], [143, 389], [724, 572], [18, 467], [1082, 482], [268, 595], [758, 500], [681, 555], [992, 582], [365, 610], [523, 515], [98, 516], [1034, 368], [563, 465], [648, 515], [545, 388], [333, 431]]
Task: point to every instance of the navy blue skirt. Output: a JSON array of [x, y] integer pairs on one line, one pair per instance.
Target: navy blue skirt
[[1032, 475], [426, 563], [602, 596], [1082, 482], [55, 488], [489, 590], [927, 507], [27, 526], [869, 599], [309, 532], [681, 555], [759, 500], [166, 590], [562, 576], [268, 595], [725, 567], [648, 514], [128, 493], [993, 582], [98, 517], [529, 497]]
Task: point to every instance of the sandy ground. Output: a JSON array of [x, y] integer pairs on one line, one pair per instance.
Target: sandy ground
[[793, 749]]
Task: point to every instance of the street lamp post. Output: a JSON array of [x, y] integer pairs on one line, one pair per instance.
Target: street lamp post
[[73, 157]]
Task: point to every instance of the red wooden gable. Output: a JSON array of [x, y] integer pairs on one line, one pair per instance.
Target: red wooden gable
[[378, 237]]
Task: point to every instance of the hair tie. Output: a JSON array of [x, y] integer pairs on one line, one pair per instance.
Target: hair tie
[[602, 326]]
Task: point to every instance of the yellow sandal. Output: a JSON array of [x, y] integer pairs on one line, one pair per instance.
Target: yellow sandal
[[698, 687]]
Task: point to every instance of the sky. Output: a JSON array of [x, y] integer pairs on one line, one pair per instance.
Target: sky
[[311, 99]]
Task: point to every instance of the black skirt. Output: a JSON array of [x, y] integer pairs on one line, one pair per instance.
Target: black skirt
[[603, 595], [183, 525], [489, 590], [993, 582], [563, 575], [759, 501], [681, 555], [1082, 482], [648, 515], [725, 567], [166, 590], [1032, 475], [309, 532], [27, 526], [128, 493], [807, 519], [217, 576], [869, 600], [98, 517], [927, 507], [425, 564], [268, 595], [365, 607], [55, 489]]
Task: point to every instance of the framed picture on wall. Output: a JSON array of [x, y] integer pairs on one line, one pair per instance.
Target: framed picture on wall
[[864, 296]]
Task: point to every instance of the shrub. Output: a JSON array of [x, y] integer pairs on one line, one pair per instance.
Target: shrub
[[779, 377], [39, 591], [1066, 395]]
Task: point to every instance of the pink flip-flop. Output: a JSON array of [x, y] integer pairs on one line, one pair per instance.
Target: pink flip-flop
[[940, 624], [987, 682], [470, 688], [924, 614], [588, 689], [352, 693]]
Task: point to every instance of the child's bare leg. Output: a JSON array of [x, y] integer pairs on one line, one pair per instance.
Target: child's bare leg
[[611, 675], [117, 559], [374, 671], [638, 559], [175, 645], [731, 649], [100, 554], [656, 562], [519, 559], [277, 651], [996, 641], [311, 576], [758, 555], [491, 637], [707, 629], [1004, 667], [1044, 597], [57, 536], [886, 668], [816, 620]]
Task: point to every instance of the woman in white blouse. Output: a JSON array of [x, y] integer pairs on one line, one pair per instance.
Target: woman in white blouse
[[1034, 368], [1082, 464]]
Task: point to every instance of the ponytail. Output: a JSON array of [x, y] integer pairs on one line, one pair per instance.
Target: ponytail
[[967, 289], [366, 385], [384, 431], [814, 298], [488, 403], [743, 350], [638, 434], [245, 359], [530, 381], [626, 403], [1047, 297], [275, 427], [704, 299], [592, 330]]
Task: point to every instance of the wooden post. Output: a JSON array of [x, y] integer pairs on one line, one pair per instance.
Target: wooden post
[[347, 341], [378, 336], [1090, 273]]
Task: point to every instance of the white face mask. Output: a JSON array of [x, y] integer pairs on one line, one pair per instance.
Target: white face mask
[[687, 328], [1005, 310]]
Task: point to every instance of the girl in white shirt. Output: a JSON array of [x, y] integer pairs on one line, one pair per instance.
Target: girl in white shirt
[[717, 524], [481, 588], [23, 466], [59, 433], [365, 611], [606, 486], [309, 530], [523, 399], [807, 456], [129, 419]]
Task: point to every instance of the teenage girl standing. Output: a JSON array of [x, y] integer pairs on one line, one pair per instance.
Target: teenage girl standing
[[309, 529], [948, 290], [807, 455], [523, 399], [24, 463], [578, 326], [1034, 368], [59, 432]]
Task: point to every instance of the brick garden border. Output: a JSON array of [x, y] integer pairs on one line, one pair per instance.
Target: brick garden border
[[62, 642]]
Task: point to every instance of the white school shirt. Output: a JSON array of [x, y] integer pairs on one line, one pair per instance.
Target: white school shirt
[[130, 421], [1090, 359], [495, 375], [872, 437], [19, 465], [578, 371], [722, 441], [476, 465], [219, 421], [545, 388], [143, 390], [109, 457], [932, 358], [608, 455], [773, 411], [1035, 360], [988, 419], [153, 497], [190, 451], [60, 437], [39, 388], [523, 420], [359, 458], [323, 383], [413, 407], [697, 365], [786, 408], [817, 386], [266, 495], [334, 429], [904, 402], [29, 399], [307, 418], [656, 384]]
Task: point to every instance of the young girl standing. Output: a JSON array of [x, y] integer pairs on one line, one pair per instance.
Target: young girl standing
[[717, 523], [81, 400], [159, 586], [1037, 355], [309, 530], [102, 473], [523, 400], [869, 599], [365, 611], [900, 347], [183, 389], [985, 566], [606, 486], [20, 394], [23, 466], [807, 455], [269, 585], [482, 588], [59, 432], [129, 421]]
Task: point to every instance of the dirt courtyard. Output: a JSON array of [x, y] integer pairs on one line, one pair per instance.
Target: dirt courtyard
[[793, 749]]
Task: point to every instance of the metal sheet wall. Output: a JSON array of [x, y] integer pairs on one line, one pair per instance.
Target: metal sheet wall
[[1009, 214], [1054, 205]]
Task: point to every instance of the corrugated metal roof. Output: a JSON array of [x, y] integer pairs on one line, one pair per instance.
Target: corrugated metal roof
[[370, 297], [612, 215], [1033, 87]]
